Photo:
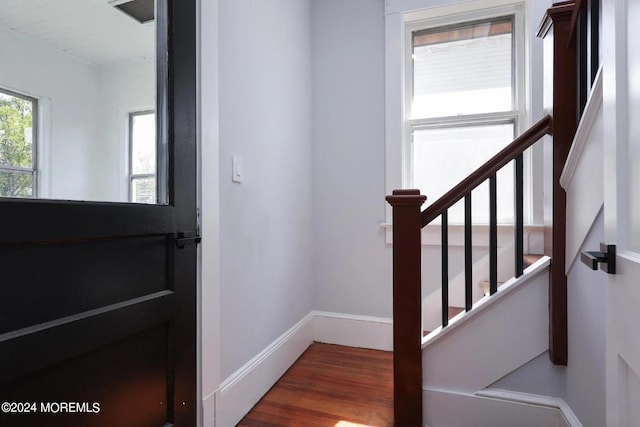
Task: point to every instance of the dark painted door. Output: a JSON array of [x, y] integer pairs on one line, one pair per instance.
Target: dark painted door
[[98, 300]]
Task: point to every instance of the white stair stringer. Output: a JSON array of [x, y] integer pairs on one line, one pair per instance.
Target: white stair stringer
[[496, 408], [500, 334]]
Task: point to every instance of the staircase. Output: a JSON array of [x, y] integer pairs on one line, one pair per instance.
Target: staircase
[[408, 220], [449, 364]]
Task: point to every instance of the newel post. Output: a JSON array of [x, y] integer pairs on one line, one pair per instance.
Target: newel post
[[556, 31], [407, 312]]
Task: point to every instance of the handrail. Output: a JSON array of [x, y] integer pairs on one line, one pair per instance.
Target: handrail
[[543, 127]]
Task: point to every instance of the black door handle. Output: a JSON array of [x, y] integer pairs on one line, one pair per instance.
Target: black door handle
[[606, 257]]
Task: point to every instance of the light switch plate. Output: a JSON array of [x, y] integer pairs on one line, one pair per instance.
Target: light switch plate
[[236, 169]]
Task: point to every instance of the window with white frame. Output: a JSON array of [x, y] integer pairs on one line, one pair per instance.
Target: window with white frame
[[464, 102], [142, 157], [17, 145]]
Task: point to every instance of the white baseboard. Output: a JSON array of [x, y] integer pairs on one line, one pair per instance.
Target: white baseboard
[[245, 387], [495, 408], [375, 333]]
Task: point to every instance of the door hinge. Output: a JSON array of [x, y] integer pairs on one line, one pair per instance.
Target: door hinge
[[198, 221], [187, 240]]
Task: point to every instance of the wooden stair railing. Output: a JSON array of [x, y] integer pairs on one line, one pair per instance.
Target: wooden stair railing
[[408, 221]]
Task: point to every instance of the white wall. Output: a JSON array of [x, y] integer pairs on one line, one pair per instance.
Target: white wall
[[68, 90], [353, 263], [586, 296], [538, 376], [266, 221], [124, 88]]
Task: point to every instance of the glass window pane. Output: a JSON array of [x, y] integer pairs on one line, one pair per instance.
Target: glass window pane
[[16, 135], [16, 184], [443, 157], [143, 143], [143, 190], [466, 69]]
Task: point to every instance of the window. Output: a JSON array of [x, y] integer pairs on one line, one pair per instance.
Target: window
[[142, 157], [463, 104], [17, 145]]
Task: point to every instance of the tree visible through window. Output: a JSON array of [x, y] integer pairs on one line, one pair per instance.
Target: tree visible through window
[[142, 164], [17, 153]]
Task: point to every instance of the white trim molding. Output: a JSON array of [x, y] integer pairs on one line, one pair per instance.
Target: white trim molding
[[444, 407], [375, 333], [421, 9], [245, 387], [495, 408], [533, 399], [584, 169], [591, 111]]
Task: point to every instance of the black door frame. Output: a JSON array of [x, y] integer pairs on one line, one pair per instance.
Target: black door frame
[[53, 222]]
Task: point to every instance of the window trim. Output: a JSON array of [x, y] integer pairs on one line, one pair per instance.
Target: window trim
[[35, 141], [399, 26], [130, 175]]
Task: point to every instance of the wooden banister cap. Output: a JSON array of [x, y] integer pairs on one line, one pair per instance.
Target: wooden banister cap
[[407, 192], [559, 11], [410, 197]]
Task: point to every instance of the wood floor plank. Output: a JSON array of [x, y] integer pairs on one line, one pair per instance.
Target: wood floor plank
[[327, 386]]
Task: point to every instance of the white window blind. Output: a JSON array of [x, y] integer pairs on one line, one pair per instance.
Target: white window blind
[[463, 110]]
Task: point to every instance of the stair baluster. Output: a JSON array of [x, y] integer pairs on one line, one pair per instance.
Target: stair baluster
[[519, 217], [468, 255], [493, 234], [445, 267]]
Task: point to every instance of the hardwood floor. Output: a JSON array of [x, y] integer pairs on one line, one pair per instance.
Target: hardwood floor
[[330, 386]]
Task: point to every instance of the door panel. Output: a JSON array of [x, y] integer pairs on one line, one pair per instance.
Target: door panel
[[26, 350], [123, 387], [76, 277], [98, 301], [621, 207], [630, 384]]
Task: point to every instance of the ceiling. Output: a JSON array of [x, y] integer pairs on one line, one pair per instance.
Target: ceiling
[[90, 30]]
